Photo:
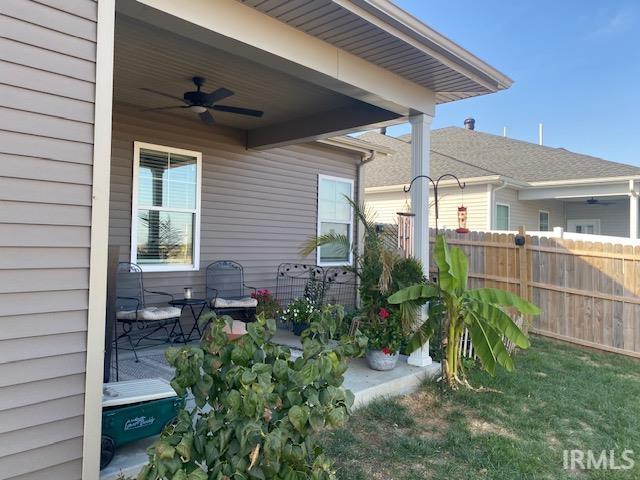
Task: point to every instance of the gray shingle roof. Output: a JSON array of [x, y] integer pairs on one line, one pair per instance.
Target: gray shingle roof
[[469, 153]]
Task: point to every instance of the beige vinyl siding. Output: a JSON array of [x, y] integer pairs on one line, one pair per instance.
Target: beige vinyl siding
[[614, 219], [387, 204], [525, 212], [257, 208], [47, 75]]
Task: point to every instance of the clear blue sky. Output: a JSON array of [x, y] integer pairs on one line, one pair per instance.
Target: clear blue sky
[[575, 66]]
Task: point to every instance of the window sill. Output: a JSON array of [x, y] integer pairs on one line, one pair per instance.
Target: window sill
[[168, 268]]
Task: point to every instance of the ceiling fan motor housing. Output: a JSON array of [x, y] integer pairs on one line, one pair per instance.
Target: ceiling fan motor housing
[[195, 98]]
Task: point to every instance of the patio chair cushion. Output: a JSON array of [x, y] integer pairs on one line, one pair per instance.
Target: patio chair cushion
[[247, 302], [150, 313]]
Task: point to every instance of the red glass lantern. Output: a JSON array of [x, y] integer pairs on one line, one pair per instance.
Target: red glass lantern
[[462, 220]]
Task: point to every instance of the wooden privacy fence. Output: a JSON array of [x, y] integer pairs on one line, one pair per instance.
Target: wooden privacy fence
[[588, 292]]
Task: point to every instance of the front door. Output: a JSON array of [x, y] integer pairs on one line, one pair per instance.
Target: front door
[[591, 226]]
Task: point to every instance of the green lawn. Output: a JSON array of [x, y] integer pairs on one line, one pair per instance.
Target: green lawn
[[560, 397]]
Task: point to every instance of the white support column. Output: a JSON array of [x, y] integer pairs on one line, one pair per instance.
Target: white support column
[[420, 146], [633, 209]]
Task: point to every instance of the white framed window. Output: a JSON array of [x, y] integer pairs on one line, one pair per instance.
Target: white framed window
[[165, 211], [543, 221], [590, 226], [503, 216], [335, 215]]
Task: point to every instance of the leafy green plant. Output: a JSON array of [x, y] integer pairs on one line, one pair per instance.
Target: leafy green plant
[[385, 333], [267, 304], [381, 269], [483, 311], [256, 407]]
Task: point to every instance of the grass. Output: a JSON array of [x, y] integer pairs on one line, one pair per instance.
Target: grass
[[560, 397]]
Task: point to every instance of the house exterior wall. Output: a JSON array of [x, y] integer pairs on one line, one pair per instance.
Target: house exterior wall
[[47, 81], [387, 204], [526, 212], [614, 219], [257, 207]]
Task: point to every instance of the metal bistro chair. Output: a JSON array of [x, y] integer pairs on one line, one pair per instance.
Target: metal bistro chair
[[226, 290], [136, 317]]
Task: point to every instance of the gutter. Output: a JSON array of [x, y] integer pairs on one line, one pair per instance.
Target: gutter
[[488, 180]]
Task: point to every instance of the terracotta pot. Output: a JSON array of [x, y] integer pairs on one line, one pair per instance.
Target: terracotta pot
[[378, 360]]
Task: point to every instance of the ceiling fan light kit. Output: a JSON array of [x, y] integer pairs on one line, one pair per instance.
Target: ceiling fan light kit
[[201, 102]]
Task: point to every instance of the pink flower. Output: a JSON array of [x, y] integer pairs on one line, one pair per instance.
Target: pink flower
[[387, 351], [383, 313]]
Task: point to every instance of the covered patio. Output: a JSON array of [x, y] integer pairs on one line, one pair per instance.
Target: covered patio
[[229, 143]]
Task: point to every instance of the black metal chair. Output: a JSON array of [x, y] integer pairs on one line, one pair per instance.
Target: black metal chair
[[226, 290], [295, 280], [140, 321]]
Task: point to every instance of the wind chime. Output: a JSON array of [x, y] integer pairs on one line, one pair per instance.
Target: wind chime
[[405, 227]]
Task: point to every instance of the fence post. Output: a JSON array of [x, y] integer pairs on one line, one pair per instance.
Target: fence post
[[524, 276]]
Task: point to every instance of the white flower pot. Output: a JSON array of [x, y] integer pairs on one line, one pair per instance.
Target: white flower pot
[[378, 360]]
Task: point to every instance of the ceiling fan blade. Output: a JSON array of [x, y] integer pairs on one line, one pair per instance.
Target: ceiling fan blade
[[163, 94], [238, 110], [219, 94], [164, 108], [207, 118]]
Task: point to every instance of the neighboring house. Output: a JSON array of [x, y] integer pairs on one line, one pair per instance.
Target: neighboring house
[[84, 165], [509, 183]]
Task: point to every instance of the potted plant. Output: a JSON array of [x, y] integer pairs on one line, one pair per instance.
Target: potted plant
[[385, 339], [267, 304], [299, 314]]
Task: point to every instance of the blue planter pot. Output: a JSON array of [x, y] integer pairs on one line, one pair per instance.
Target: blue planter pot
[[298, 328]]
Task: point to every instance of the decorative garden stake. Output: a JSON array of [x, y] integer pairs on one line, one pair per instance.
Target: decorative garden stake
[[435, 184]]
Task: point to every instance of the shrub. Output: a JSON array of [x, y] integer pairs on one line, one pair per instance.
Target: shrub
[[257, 408]]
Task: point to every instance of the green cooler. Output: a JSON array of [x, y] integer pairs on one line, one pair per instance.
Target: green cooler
[[134, 410]]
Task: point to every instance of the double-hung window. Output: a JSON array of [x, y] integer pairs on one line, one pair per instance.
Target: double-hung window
[[335, 216], [543, 221], [165, 225], [502, 216]]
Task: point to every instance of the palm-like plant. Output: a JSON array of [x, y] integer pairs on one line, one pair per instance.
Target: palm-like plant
[[483, 311], [373, 265]]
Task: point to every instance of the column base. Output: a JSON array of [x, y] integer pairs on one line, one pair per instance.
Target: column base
[[420, 358]]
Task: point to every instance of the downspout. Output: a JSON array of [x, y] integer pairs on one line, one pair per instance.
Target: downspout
[[492, 204]]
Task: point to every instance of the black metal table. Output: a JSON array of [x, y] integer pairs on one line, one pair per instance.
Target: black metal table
[[195, 313]]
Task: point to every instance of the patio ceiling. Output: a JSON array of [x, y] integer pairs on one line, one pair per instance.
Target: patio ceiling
[[382, 33], [146, 56]]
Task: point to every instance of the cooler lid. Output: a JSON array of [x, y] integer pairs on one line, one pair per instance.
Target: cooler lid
[[134, 391]]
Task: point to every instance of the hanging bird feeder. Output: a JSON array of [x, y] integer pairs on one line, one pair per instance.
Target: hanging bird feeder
[[462, 220]]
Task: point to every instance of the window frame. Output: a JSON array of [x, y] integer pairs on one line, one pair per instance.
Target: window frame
[[499, 204], [548, 221], [350, 181], [195, 266]]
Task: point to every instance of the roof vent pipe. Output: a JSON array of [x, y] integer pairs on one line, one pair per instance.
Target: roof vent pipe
[[383, 130], [540, 134], [470, 123]]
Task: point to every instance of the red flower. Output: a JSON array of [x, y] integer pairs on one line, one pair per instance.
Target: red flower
[[387, 351], [383, 313]]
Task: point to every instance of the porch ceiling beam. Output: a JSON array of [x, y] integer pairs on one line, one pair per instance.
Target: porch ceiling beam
[[576, 191], [357, 116], [241, 30]]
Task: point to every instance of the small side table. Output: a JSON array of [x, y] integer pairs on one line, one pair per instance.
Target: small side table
[[195, 312]]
